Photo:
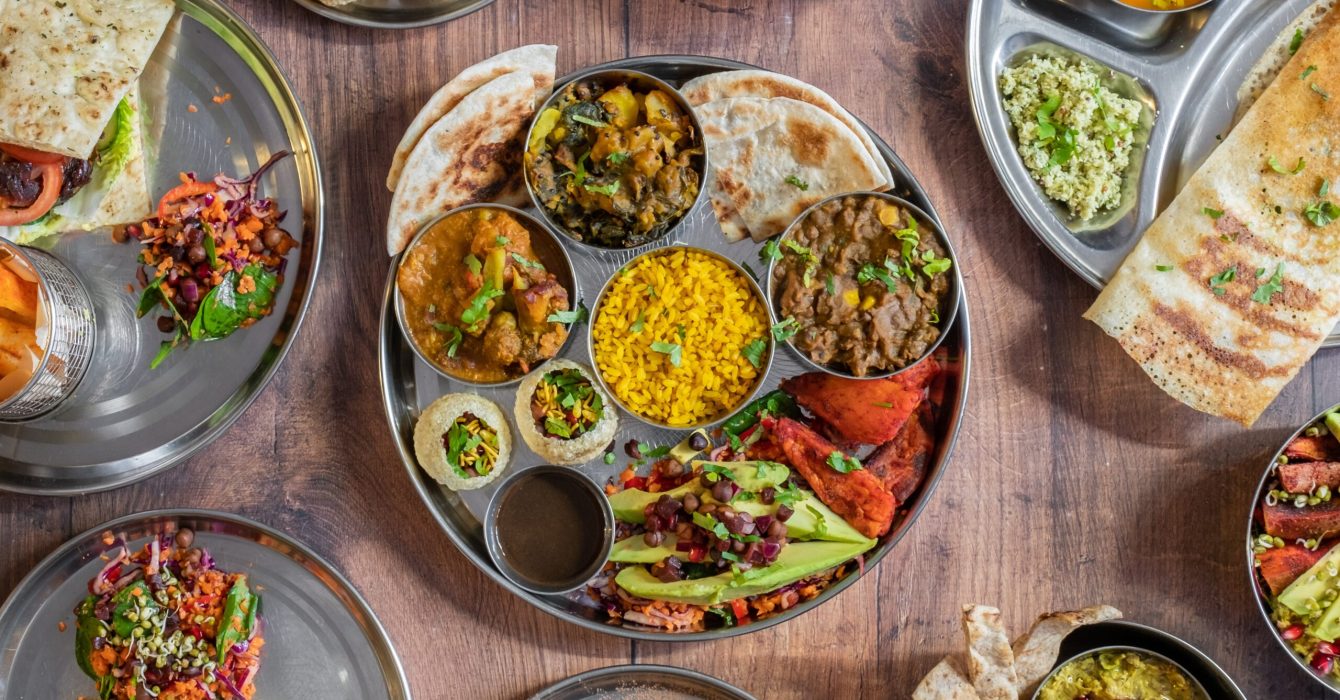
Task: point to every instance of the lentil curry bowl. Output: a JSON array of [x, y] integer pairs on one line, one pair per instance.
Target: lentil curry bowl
[[862, 284], [680, 337]]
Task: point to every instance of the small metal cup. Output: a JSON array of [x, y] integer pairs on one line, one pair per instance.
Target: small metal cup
[[643, 81], [67, 339], [951, 303], [542, 238], [499, 556]]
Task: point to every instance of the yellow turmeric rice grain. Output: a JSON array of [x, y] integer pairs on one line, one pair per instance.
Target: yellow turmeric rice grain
[[670, 333]]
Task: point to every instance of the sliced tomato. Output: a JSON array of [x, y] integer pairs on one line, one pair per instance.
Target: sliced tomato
[[186, 190], [740, 608], [52, 178], [30, 155]]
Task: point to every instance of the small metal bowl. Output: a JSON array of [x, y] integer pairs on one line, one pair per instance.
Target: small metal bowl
[[547, 246], [642, 81], [1191, 677], [1170, 11], [493, 543], [595, 314], [950, 305], [1253, 529]]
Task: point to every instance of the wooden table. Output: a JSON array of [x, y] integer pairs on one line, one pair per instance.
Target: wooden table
[[1075, 480]]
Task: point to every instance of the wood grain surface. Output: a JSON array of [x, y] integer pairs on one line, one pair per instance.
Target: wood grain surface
[[1075, 480]]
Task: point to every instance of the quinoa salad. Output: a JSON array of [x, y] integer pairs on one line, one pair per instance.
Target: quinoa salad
[[1075, 135]]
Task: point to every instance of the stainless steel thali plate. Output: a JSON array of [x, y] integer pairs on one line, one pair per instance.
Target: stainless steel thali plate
[[321, 641], [125, 422], [395, 14], [641, 681], [408, 385], [1189, 66]]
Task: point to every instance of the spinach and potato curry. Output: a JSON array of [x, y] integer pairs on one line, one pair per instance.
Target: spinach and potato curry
[[616, 163]]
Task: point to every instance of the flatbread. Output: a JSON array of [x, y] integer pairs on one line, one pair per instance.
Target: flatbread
[[1272, 61], [774, 157], [990, 659], [762, 83], [65, 64], [537, 60], [127, 200], [473, 154], [947, 681], [1226, 354], [1035, 653]]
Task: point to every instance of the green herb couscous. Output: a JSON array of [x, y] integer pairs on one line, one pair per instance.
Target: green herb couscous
[[1075, 135]]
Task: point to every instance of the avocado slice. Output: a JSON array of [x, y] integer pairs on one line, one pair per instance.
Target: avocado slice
[[634, 550], [1333, 423], [754, 476], [796, 561], [1327, 627], [1312, 585], [628, 504], [750, 476]]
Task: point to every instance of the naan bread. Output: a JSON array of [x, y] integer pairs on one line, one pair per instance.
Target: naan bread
[[1272, 61], [760, 147], [536, 60], [65, 64], [1226, 354], [762, 83], [473, 154]]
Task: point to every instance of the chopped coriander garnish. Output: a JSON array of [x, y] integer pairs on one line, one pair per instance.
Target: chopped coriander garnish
[[842, 463], [829, 285], [472, 264], [569, 317], [588, 121], [753, 352], [638, 323], [672, 350], [1212, 212], [1163, 268], [1322, 213], [869, 273], [1218, 281], [1296, 42], [526, 262], [1271, 287], [1275, 165], [797, 182], [882, 404], [502, 240], [1325, 188], [749, 269], [478, 311], [607, 190], [771, 251], [609, 458], [651, 291], [934, 266], [454, 337], [1310, 70], [681, 332], [785, 329], [1317, 89], [617, 157]]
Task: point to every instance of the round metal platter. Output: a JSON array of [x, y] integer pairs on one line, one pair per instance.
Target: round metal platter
[[321, 638], [409, 385], [395, 14], [1254, 528], [639, 681], [1186, 67], [1132, 634], [125, 421]]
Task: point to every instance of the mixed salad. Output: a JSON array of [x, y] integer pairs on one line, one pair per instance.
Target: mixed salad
[[165, 622], [213, 257]]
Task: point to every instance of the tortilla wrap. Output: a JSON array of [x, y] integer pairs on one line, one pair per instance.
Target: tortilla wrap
[[1230, 352], [1036, 652], [65, 64], [536, 60], [471, 155], [773, 158], [990, 659], [1272, 61], [762, 83]]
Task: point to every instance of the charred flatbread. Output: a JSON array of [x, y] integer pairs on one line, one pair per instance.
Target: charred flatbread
[[990, 658], [1235, 286], [774, 157], [1272, 61], [473, 154], [536, 60]]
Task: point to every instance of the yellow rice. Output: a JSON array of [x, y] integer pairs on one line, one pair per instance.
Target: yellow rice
[[720, 314]]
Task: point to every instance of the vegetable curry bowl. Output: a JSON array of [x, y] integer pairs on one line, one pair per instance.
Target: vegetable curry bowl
[[862, 285], [615, 159], [485, 294]]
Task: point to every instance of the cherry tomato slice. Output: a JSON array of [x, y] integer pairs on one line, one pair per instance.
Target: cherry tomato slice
[[30, 155]]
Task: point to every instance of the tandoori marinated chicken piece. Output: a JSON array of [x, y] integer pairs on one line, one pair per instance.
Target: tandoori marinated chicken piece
[[1322, 448], [857, 496], [901, 463], [1313, 522], [867, 411]]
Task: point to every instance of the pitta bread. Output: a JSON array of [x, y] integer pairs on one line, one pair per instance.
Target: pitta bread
[[1272, 61], [1227, 354], [762, 83], [990, 659], [757, 144], [947, 681], [537, 60], [1035, 653], [65, 64], [473, 154]]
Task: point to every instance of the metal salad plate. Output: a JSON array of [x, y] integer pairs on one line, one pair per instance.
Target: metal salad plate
[[215, 101], [635, 681], [1123, 633], [321, 640], [1185, 67], [395, 14], [408, 385]]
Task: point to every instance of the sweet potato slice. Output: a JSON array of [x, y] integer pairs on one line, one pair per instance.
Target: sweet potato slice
[[1280, 566], [1311, 522], [1322, 448], [866, 411], [1303, 477], [901, 463], [857, 496]]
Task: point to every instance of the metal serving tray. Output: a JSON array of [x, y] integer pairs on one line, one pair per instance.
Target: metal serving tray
[[408, 385], [1189, 64], [125, 421], [395, 14]]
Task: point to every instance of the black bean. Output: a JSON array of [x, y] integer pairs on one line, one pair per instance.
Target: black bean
[[698, 441], [654, 538], [256, 245], [196, 254], [767, 495], [185, 537], [272, 237], [737, 546], [667, 507], [777, 529], [672, 468], [166, 324], [691, 502], [784, 512], [119, 235], [632, 449], [723, 490]]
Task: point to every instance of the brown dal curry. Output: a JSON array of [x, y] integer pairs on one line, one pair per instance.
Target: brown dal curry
[[865, 285], [477, 298]]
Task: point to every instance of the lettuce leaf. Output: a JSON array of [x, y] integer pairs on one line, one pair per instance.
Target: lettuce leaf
[[110, 162]]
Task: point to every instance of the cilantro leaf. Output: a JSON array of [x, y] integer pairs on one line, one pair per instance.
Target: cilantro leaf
[[842, 463], [754, 352], [672, 350]]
